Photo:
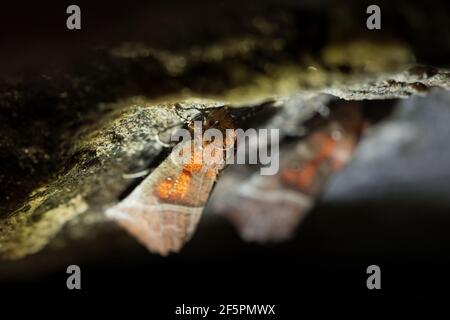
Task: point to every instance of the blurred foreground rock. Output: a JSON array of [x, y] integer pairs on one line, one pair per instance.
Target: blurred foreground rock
[[129, 139], [72, 135]]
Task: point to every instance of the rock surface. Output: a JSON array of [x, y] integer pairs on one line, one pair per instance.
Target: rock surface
[[71, 134]]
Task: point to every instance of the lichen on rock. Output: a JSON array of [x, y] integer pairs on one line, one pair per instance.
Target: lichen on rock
[[72, 138]]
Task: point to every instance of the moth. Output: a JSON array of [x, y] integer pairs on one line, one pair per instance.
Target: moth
[[164, 210], [269, 208]]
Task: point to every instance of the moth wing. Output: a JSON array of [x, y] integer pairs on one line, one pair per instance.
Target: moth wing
[[269, 208], [160, 226]]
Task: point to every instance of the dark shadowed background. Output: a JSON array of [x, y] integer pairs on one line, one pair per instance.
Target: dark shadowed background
[[394, 212]]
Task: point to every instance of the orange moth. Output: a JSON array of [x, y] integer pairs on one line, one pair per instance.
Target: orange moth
[[269, 208], [163, 211]]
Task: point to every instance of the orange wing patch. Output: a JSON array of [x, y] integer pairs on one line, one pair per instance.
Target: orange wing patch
[[269, 208], [164, 210]]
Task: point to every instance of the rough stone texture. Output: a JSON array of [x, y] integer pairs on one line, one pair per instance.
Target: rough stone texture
[[126, 141], [73, 123]]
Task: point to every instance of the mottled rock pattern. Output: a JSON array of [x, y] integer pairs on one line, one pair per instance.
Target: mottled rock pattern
[[70, 131]]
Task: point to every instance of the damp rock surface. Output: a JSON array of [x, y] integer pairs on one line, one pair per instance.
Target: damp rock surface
[[73, 132], [130, 138]]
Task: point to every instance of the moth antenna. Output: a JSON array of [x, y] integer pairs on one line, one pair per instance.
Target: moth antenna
[[135, 175], [160, 142]]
